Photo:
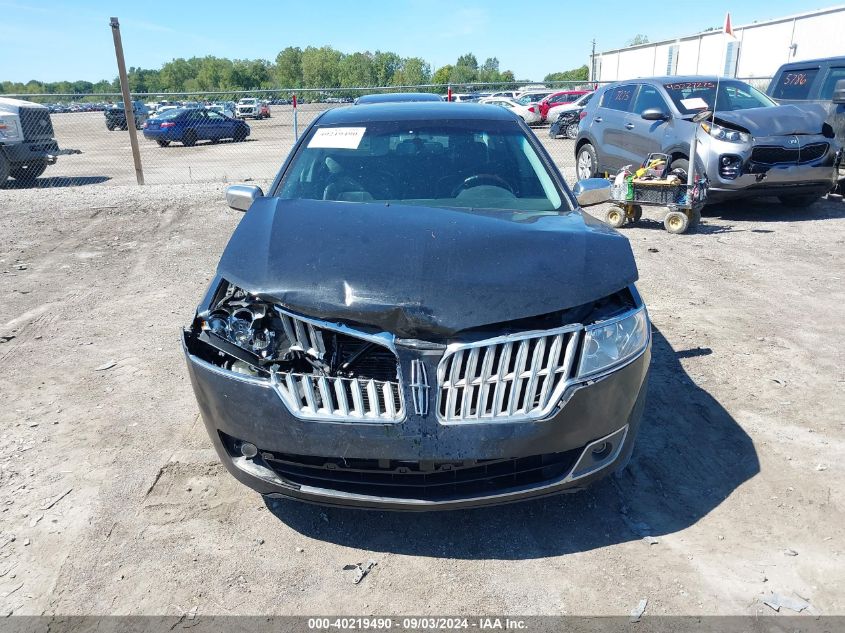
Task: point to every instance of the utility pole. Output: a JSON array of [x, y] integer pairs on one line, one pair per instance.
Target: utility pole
[[128, 110], [593, 62]]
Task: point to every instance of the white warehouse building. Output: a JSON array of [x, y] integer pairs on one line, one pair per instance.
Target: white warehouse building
[[756, 51]]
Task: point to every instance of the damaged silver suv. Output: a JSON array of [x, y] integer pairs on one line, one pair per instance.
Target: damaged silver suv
[[419, 316]]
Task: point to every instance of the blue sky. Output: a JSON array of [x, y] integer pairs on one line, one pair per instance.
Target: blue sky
[[58, 40]]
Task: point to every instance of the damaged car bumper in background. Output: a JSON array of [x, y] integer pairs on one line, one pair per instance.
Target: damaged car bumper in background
[[363, 418]]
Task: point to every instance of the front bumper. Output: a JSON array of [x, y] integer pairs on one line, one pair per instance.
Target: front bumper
[[32, 151], [755, 179], [594, 412]]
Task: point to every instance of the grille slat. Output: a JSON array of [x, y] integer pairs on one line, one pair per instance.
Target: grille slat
[[316, 396], [327, 397], [531, 373]]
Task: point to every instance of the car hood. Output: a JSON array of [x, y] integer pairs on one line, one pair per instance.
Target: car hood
[[423, 271], [781, 120]]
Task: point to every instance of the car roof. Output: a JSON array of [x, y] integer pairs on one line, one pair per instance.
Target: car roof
[[397, 97], [812, 62], [409, 111], [673, 79]]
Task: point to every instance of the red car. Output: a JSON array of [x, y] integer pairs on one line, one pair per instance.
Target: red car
[[264, 111], [558, 98]]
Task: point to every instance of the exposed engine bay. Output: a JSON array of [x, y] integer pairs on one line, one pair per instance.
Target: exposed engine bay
[[245, 334]]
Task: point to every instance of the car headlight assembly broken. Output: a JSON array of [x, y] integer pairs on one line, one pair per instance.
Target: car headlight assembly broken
[[247, 334], [610, 344]]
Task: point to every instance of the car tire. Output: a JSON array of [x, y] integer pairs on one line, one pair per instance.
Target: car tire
[[29, 172], [240, 135], [586, 163], [110, 127], [798, 202], [124, 127], [189, 138], [680, 168], [163, 143], [572, 131]]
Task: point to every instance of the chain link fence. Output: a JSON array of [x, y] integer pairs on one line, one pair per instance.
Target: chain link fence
[[223, 137]]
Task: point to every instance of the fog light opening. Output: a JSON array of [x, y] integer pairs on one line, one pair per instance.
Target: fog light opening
[[248, 450], [602, 450]]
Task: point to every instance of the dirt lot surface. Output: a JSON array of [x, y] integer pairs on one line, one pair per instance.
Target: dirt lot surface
[[112, 501]]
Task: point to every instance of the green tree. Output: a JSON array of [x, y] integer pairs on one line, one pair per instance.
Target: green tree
[[356, 70], [468, 60], [385, 65], [321, 67], [412, 72], [442, 74], [582, 73], [638, 39], [288, 69]]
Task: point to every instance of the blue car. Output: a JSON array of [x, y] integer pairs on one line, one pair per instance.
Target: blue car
[[189, 125]]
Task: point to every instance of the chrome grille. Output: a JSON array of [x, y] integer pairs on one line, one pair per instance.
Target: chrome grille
[[312, 396], [303, 335], [514, 377], [334, 398]]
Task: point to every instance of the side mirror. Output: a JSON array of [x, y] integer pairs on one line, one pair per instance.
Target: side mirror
[[839, 92], [241, 197], [592, 191], [655, 114]]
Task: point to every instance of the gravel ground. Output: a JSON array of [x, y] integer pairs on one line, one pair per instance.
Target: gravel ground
[[112, 501]]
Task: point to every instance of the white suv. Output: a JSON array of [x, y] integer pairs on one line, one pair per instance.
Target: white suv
[[248, 107]]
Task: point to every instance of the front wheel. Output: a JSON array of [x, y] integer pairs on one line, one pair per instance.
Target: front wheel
[[110, 127], [680, 168], [163, 143], [587, 162], [240, 135], [29, 172], [4, 169], [572, 131], [798, 202]]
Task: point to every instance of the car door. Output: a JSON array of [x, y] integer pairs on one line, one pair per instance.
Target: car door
[[644, 137], [218, 126], [837, 112], [608, 127]]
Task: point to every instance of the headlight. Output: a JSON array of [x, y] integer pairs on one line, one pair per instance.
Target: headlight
[[724, 134], [246, 321], [9, 128], [611, 343]]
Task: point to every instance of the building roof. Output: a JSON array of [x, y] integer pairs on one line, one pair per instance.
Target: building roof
[[786, 18]]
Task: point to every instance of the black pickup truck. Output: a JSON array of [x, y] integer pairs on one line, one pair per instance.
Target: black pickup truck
[[116, 115]]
